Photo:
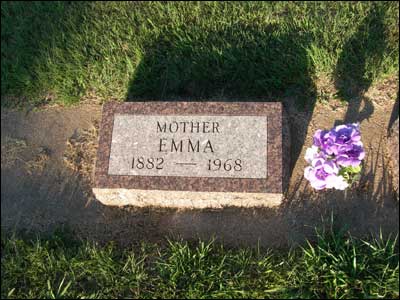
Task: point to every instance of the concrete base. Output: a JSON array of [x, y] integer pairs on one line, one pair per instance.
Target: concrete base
[[184, 199]]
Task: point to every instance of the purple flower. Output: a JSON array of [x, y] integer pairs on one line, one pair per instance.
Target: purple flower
[[339, 139], [322, 140], [333, 151], [324, 174], [351, 157], [346, 135], [312, 153]]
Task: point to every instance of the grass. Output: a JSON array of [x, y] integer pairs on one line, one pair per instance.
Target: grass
[[61, 51], [335, 266]]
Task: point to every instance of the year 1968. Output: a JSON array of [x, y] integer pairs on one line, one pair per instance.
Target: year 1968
[[224, 165]]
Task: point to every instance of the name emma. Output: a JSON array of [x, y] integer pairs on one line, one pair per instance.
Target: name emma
[[186, 145]]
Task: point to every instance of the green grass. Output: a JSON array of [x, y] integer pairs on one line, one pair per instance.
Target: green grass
[[60, 51], [335, 266]]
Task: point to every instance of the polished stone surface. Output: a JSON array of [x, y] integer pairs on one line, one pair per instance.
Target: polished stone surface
[[189, 146]]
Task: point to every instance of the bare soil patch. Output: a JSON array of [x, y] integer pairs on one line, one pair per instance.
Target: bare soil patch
[[47, 164]]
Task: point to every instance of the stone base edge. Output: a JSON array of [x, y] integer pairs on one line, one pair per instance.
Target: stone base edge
[[184, 199]]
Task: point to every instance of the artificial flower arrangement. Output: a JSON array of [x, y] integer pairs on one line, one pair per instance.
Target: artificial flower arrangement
[[335, 157]]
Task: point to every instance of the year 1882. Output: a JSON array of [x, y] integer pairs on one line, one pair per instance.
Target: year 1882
[[147, 163]]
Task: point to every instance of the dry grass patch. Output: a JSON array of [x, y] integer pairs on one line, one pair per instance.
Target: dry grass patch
[[11, 151], [80, 154], [15, 150], [38, 162]]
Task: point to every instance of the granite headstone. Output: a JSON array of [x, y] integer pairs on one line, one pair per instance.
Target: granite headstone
[[190, 154]]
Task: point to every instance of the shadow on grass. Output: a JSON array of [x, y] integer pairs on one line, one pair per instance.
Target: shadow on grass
[[353, 75], [239, 61]]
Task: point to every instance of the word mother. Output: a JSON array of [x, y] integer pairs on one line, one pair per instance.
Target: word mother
[[186, 145]]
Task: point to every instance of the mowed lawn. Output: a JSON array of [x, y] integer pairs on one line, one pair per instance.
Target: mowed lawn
[[61, 51], [336, 266]]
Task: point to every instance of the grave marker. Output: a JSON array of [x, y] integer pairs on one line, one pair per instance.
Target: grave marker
[[190, 154]]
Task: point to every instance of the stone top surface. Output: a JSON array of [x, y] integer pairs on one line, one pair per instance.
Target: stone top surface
[[191, 146]]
